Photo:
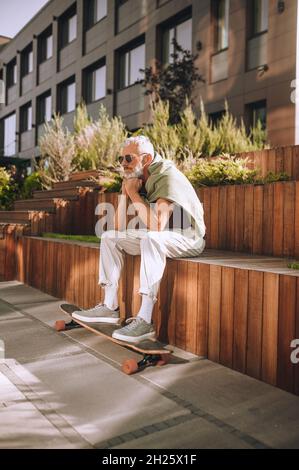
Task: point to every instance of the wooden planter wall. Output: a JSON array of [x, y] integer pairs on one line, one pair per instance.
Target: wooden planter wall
[[244, 319]]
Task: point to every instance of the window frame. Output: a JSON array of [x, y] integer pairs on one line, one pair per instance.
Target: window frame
[[166, 26], [252, 33], [12, 73], [64, 26], [25, 60], [122, 54], [62, 98], [43, 45], [40, 108], [24, 118], [88, 81]]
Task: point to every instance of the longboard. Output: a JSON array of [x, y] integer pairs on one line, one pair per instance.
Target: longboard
[[154, 352]]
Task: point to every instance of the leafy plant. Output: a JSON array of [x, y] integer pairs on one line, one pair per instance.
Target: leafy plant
[[228, 170], [31, 183], [97, 143], [57, 147], [173, 82], [9, 189]]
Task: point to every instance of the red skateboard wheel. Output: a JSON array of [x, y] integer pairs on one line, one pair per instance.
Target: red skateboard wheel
[[60, 325], [130, 366]]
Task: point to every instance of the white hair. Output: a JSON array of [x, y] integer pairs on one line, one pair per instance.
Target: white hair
[[143, 143]]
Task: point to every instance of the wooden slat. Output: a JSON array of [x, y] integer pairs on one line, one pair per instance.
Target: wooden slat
[[214, 217], [214, 313], [172, 303], [270, 328], [295, 169], [130, 285], [286, 331], [193, 286], [258, 219], [227, 317], [207, 215], [136, 297], [289, 219], [161, 308], [180, 294], [239, 197], [231, 217], [268, 219], [279, 160], [222, 227], [296, 229], [248, 218], [202, 323], [240, 319], [10, 261], [255, 322], [288, 160], [278, 219], [271, 161]]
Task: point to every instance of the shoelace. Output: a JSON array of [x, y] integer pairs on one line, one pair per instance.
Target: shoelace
[[101, 304], [131, 322]]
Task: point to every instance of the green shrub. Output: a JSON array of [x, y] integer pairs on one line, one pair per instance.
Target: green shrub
[[9, 189], [228, 170], [220, 171], [293, 265], [31, 183]]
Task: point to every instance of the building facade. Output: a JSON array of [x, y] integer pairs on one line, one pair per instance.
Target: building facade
[[93, 49]]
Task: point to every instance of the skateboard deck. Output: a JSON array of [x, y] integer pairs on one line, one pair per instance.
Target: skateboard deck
[[154, 352]]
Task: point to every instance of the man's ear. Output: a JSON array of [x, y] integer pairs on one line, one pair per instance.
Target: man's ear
[[147, 159]]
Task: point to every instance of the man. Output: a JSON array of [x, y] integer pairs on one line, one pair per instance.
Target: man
[[167, 190]]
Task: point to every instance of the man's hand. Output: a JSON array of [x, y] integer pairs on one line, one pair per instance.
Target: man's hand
[[132, 186], [123, 188]]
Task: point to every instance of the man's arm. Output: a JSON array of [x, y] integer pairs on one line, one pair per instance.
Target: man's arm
[[153, 220], [120, 217]]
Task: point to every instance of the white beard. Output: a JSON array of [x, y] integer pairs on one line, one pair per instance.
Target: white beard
[[136, 173]]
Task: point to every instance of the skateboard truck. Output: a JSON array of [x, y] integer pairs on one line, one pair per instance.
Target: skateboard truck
[[131, 366], [61, 325]]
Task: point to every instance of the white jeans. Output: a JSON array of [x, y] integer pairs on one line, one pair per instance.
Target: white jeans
[[153, 246]]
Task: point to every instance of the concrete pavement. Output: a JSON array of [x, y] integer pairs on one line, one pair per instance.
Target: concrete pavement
[[66, 390]]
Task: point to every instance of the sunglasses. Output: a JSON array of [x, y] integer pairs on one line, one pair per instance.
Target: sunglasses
[[128, 158]]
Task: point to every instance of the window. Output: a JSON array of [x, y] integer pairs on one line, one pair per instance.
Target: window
[[44, 108], [95, 10], [26, 118], [182, 33], [8, 136], [68, 27], [67, 96], [259, 16], [94, 83], [27, 61], [257, 112], [131, 62], [45, 45], [12, 73], [221, 24]]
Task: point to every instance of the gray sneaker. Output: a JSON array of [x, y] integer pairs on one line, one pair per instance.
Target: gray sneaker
[[135, 331], [98, 314]]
